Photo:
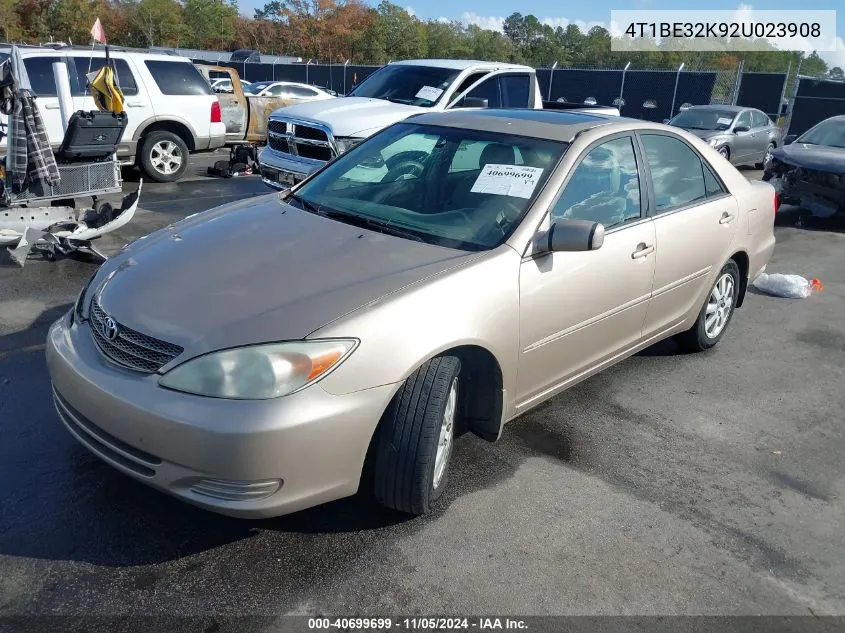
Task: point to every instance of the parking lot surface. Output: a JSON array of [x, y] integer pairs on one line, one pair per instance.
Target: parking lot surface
[[670, 484]]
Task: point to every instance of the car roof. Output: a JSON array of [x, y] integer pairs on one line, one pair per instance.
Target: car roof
[[721, 108], [43, 51], [456, 64], [547, 124]]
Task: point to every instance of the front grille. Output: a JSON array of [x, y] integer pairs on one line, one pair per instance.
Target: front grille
[[311, 133], [299, 139], [131, 349]]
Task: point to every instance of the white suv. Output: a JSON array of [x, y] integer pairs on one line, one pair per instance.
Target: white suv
[[172, 110]]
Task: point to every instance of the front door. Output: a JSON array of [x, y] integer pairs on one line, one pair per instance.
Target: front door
[[579, 309], [695, 221], [743, 146]]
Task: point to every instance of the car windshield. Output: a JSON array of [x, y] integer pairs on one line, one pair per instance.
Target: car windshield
[[450, 187], [411, 85], [828, 133], [254, 89], [695, 119]]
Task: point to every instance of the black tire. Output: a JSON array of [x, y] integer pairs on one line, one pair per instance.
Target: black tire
[[152, 143], [725, 151], [768, 151], [696, 339], [409, 437]]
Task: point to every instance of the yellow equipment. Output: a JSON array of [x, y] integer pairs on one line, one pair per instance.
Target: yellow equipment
[[105, 90]]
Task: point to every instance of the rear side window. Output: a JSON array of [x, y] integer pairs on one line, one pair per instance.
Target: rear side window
[[178, 78], [86, 65], [676, 172], [40, 71]]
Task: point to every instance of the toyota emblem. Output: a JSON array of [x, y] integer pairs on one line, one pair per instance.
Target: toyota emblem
[[110, 328]]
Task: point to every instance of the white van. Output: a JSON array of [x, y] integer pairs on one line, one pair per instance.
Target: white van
[[172, 110]]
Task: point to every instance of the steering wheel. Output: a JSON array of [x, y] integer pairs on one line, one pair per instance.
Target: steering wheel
[[404, 170]]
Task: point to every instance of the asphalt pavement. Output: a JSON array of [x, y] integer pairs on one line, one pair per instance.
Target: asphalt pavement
[[669, 484]]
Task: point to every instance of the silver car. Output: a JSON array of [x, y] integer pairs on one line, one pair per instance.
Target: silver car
[[448, 274], [744, 136]]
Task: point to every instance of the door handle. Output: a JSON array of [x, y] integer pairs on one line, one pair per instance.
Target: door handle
[[643, 250], [51, 106], [726, 218], [135, 104]]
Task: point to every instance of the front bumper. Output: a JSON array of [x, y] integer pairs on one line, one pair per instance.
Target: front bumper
[[247, 459], [281, 171]]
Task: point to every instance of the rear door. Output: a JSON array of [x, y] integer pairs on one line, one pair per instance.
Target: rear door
[[696, 222], [40, 71], [501, 89], [184, 94], [139, 107]]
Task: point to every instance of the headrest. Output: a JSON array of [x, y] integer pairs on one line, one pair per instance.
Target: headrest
[[497, 154]]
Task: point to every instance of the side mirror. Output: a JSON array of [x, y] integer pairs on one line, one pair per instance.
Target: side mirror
[[741, 128], [789, 139], [573, 236], [474, 102]]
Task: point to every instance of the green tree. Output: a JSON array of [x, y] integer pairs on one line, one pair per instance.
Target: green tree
[[157, 21], [448, 40], [10, 21], [212, 21], [489, 45], [836, 73], [404, 35], [813, 65]]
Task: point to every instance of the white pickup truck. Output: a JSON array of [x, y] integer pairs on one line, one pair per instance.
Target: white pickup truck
[[302, 138]]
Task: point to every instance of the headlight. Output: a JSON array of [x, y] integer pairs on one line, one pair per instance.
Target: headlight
[[80, 305], [714, 142], [258, 372], [344, 144]]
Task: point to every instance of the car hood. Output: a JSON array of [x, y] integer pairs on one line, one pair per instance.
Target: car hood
[[822, 158], [707, 134], [347, 116], [256, 272]]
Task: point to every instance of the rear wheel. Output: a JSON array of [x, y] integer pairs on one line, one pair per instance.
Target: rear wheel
[[716, 313], [416, 438], [767, 157], [163, 156]]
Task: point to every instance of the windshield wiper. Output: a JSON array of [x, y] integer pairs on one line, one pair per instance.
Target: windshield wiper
[[381, 226], [305, 204]]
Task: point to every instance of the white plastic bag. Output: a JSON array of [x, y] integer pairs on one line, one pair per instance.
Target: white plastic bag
[[788, 286]]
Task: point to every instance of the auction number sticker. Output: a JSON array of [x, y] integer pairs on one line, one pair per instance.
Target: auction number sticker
[[429, 93], [517, 181]]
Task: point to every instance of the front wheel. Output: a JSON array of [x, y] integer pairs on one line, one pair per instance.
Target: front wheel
[[714, 317], [416, 438], [725, 151]]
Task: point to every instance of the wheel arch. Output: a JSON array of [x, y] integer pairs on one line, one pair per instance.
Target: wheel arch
[[743, 263], [179, 128]]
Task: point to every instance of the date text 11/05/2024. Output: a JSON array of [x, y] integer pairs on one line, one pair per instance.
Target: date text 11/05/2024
[[417, 624], [687, 30]]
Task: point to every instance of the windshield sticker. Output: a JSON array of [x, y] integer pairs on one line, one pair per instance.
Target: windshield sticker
[[508, 180], [723, 121], [429, 93]]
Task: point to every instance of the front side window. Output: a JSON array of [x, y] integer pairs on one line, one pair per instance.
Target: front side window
[[403, 83], [676, 172], [401, 181], [604, 188], [40, 72], [759, 119], [744, 119], [830, 133], [488, 90]]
